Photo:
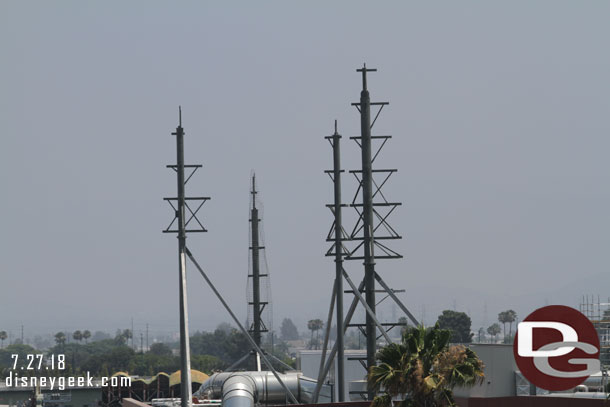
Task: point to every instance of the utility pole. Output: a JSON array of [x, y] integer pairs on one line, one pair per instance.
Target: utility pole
[[367, 218], [339, 252], [180, 207], [372, 229], [147, 348], [185, 353], [132, 335]]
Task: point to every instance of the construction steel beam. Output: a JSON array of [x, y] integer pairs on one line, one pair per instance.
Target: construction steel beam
[[333, 352], [329, 321]]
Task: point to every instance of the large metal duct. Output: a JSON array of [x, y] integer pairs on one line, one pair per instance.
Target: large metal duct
[[245, 389]]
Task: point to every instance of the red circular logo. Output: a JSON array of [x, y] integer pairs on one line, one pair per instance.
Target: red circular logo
[[556, 348]]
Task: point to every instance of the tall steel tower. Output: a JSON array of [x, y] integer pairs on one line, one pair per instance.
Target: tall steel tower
[[371, 214], [367, 214], [337, 236], [180, 204], [258, 295], [371, 232]]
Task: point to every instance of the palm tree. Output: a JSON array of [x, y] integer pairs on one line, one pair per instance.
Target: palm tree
[[481, 333], [511, 316], [3, 336], [503, 318], [86, 335], [494, 330], [77, 336], [60, 339], [319, 324], [423, 369], [315, 325], [127, 334], [311, 325]]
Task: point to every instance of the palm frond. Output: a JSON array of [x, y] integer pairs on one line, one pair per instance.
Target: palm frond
[[384, 400], [425, 368]]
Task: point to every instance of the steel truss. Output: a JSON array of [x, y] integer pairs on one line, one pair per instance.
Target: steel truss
[[372, 230]]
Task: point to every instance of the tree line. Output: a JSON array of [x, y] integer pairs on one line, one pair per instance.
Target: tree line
[[458, 323], [210, 351]]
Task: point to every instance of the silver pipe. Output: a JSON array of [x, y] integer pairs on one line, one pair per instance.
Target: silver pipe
[[245, 389], [238, 391]]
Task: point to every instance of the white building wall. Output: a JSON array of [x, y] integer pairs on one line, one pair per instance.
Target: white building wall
[[499, 371]]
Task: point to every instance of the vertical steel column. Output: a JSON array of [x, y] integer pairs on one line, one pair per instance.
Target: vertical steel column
[[256, 294], [367, 207], [338, 263], [185, 357]]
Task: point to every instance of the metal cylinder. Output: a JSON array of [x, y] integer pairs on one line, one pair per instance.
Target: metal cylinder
[[367, 220], [245, 389], [338, 262], [185, 358], [238, 391]]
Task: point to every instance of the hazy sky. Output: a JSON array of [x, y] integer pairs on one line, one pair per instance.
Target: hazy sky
[[499, 112]]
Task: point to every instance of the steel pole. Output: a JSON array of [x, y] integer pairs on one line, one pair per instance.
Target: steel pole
[[369, 312], [185, 357], [338, 263], [333, 352], [367, 210], [326, 337], [256, 295]]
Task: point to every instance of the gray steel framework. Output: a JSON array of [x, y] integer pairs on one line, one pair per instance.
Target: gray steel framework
[[180, 215], [258, 327], [366, 216], [372, 227], [369, 211], [257, 302]]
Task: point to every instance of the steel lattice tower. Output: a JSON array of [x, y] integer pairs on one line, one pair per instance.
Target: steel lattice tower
[[371, 214], [370, 232]]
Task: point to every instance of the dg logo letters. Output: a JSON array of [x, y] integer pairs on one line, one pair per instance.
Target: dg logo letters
[[556, 348]]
